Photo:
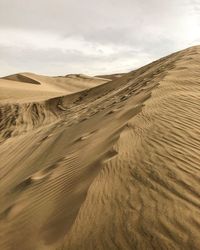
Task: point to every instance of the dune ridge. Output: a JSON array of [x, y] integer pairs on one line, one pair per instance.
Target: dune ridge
[[114, 166]]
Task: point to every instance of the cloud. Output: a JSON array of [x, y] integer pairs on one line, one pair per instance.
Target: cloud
[[59, 37]]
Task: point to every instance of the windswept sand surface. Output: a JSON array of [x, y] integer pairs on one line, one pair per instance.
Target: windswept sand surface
[[116, 166]]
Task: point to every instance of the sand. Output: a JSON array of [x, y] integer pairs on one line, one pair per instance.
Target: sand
[[26, 87], [110, 165]]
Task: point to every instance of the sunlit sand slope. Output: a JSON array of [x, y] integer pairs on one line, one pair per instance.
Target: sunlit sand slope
[[148, 196]]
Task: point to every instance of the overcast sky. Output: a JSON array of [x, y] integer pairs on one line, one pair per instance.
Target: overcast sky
[[57, 37]]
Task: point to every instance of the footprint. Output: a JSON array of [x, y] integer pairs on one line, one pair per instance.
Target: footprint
[[23, 185], [40, 175], [113, 111], [86, 136], [110, 155]]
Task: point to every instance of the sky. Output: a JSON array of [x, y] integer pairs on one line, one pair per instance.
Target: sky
[[58, 37]]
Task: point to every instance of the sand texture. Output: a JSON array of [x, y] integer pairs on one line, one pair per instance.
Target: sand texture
[[108, 162]]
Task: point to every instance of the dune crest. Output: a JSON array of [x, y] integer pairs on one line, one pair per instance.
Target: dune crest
[[113, 165]]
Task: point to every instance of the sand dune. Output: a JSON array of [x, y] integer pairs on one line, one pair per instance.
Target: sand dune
[[115, 166], [28, 87]]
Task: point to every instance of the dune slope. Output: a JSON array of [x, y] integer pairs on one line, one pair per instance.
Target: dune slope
[[111, 167], [148, 196]]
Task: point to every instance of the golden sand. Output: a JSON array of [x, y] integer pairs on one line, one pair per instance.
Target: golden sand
[[112, 163]]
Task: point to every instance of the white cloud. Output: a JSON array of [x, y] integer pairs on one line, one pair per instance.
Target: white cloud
[[59, 37]]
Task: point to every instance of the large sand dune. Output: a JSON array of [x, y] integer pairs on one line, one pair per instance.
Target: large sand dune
[[102, 164]]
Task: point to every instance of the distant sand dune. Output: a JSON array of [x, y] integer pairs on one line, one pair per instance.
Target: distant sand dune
[[115, 166], [26, 87]]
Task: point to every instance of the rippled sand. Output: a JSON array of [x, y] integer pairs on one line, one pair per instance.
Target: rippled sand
[[111, 167]]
